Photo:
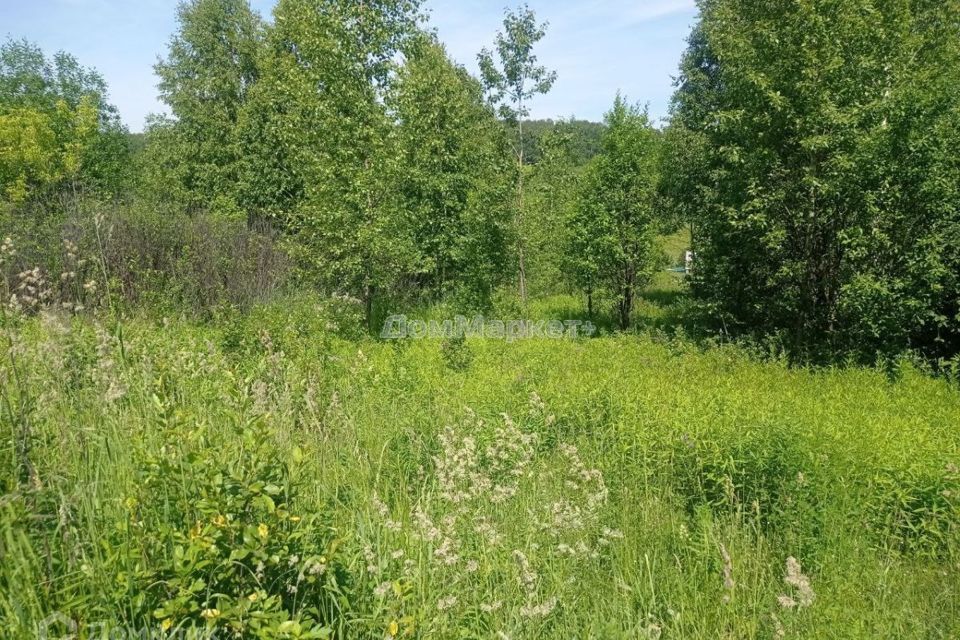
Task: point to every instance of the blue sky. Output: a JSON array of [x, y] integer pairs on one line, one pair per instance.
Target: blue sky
[[597, 46]]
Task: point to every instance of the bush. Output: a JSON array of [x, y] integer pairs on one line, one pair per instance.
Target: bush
[[160, 258], [228, 550]]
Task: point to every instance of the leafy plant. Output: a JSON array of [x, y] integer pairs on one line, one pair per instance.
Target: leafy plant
[[232, 553]]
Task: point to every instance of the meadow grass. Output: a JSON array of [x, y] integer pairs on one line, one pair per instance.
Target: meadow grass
[[276, 474]]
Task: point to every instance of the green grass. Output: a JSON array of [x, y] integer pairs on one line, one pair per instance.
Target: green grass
[[157, 457]]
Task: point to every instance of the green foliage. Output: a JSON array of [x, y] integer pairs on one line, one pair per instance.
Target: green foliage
[[141, 257], [612, 241], [682, 194], [454, 176], [230, 554], [57, 133], [584, 138], [27, 153], [553, 195], [511, 81], [160, 447], [348, 129], [325, 73], [825, 200], [456, 352], [518, 78], [206, 78]]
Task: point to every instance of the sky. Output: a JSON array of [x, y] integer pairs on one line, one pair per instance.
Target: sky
[[597, 47]]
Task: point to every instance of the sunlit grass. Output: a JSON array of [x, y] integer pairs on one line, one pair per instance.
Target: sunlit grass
[[715, 469]]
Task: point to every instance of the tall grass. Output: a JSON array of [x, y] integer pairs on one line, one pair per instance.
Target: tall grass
[[277, 474]]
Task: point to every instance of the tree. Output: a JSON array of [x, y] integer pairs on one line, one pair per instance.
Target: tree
[[455, 175], [58, 134], [28, 153], [206, 78], [553, 188], [320, 104], [685, 179], [583, 138], [613, 229], [828, 200], [511, 86]]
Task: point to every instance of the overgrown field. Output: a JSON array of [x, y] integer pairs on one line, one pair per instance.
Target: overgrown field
[[278, 475]]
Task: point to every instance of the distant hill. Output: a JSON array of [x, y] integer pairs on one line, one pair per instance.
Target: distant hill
[[586, 137], [136, 142]]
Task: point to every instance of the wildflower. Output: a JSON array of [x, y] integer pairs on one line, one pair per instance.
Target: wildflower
[[445, 552], [447, 603], [107, 371], [778, 630], [210, 614], [728, 583], [384, 511], [114, 392], [490, 608], [380, 506], [528, 577], [427, 530], [393, 629], [541, 610], [371, 558], [253, 597], [166, 624], [263, 531], [804, 595], [382, 589]]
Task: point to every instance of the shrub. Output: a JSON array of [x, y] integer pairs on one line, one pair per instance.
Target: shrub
[[227, 548], [160, 258]]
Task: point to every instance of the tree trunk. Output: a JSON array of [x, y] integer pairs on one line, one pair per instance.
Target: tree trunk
[[520, 203], [626, 306], [626, 302], [368, 292]]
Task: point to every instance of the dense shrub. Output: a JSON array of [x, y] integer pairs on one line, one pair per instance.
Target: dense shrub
[[201, 262], [226, 546], [94, 253]]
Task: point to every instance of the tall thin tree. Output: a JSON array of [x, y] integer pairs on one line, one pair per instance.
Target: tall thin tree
[[511, 86]]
